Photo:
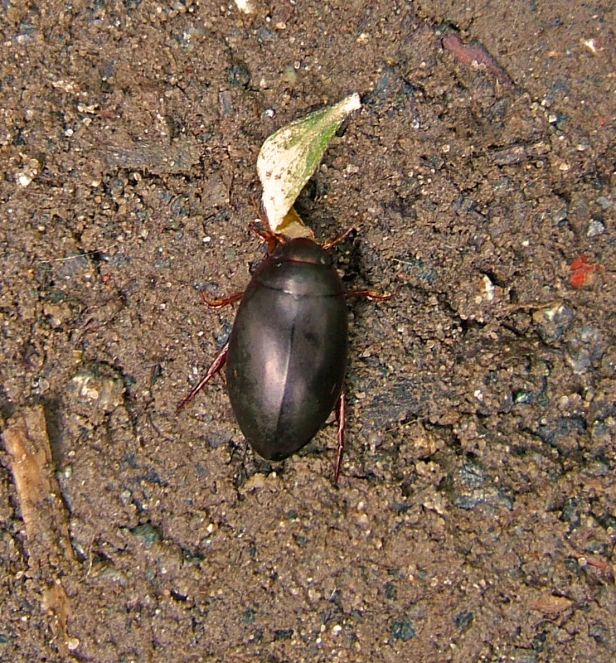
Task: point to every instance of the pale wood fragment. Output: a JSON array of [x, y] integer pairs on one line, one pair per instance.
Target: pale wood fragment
[[50, 556]]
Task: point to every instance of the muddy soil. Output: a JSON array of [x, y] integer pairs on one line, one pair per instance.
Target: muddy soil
[[475, 518]]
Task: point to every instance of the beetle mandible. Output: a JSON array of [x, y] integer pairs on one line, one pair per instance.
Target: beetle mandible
[[287, 353]]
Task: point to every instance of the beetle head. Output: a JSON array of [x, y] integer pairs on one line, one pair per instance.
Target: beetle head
[[302, 250]]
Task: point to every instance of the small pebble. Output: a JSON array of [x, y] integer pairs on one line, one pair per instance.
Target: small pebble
[[595, 228], [553, 322], [403, 630], [93, 387]]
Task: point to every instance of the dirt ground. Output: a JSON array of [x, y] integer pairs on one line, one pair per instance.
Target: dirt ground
[[475, 518]]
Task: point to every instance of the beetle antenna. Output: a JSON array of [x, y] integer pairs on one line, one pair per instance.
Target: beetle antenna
[[267, 236], [328, 245], [260, 213]]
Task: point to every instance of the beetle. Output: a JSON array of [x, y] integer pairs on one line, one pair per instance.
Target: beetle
[[287, 353]]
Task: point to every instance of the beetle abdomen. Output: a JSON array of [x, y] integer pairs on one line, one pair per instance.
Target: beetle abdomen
[[287, 357]]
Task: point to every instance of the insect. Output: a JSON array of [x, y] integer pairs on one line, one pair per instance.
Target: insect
[[287, 354]]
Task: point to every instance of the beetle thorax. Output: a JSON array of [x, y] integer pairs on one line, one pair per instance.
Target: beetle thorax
[[301, 250]]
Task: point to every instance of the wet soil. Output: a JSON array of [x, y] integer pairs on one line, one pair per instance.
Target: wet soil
[[475, 518]]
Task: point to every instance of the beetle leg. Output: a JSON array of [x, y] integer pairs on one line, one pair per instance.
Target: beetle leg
[[219, 303], [367, 294], [217, 364], [340, 418]]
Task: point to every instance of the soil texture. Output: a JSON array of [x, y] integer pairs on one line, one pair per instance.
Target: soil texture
[[475, 515]]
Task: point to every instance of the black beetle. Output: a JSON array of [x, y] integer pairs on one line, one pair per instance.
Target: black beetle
[[288, 349], [287, 354]]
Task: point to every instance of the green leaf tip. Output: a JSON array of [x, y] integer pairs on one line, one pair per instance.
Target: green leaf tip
[[289, 157]]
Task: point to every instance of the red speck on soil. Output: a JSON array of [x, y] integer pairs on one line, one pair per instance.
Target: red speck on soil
[[582, 272]]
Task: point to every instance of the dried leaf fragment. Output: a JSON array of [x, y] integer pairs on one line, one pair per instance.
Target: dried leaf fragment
[[289, 157]]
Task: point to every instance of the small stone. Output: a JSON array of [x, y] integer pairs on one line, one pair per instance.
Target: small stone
[[559, 215], [553, 322], [488, 288], [249, 616], [245, 6], [363, 522], [522, 397], [238, 75], [585, 345], [604, 202], [114, 575], [520, 655], [72, 644], [289, 74], [464, 619], [403, 629], [93, 386], [595, 228], [474, 487], [147, 534], [563, 433], [255, 482], [424, 442], [600, 633]]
